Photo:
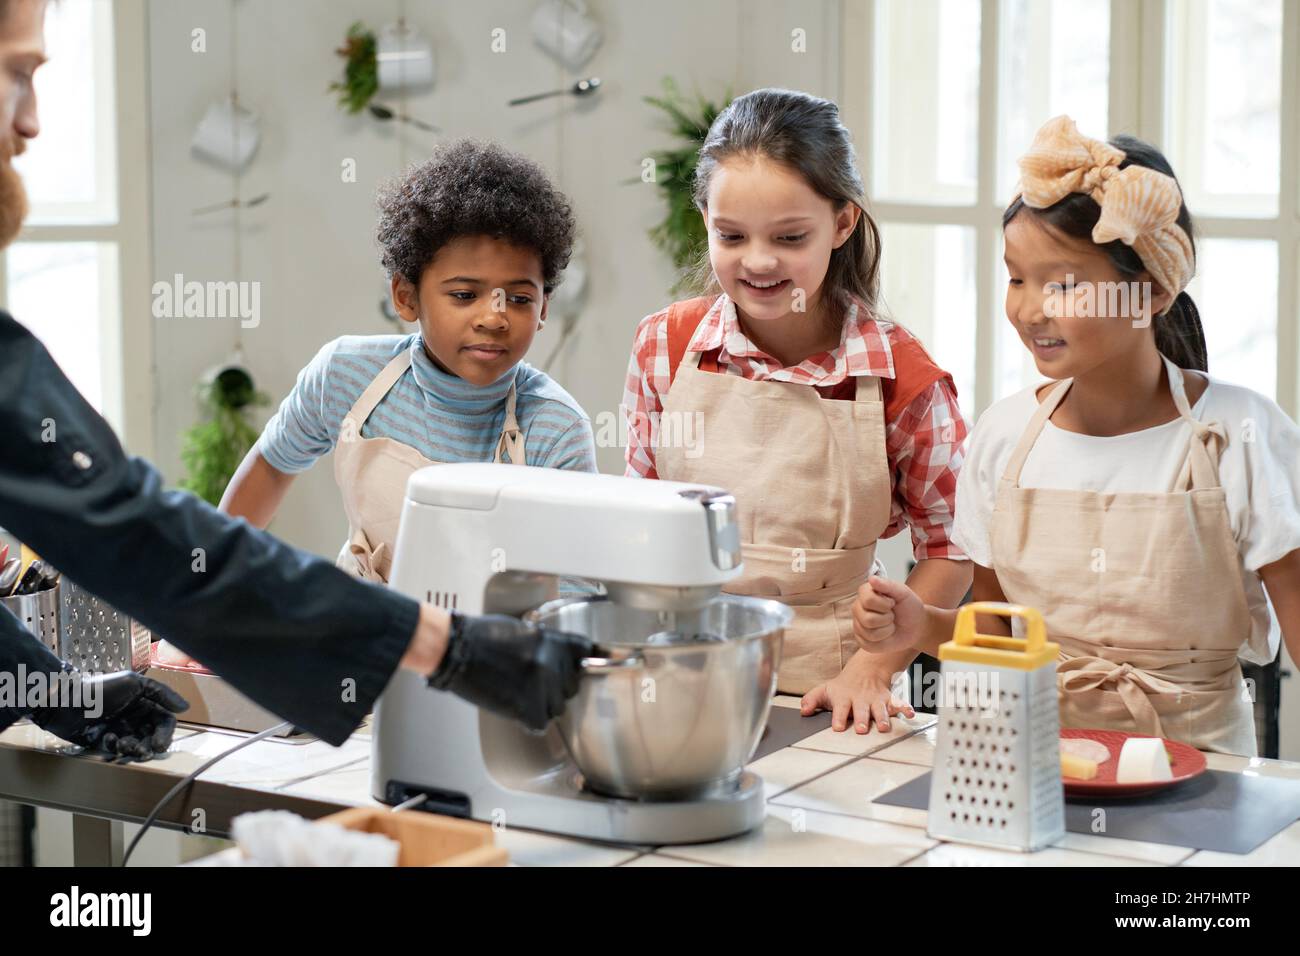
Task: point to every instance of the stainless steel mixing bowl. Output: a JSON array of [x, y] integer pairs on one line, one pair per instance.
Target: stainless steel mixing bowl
[[679, 703]]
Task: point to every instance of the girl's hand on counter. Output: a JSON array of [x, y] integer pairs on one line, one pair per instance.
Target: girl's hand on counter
[[888, 616], [860, 694]]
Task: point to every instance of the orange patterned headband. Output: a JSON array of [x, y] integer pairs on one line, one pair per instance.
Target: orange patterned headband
[[1139, 206]]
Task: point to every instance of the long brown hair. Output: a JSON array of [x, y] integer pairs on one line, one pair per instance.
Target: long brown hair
[[804, 133]]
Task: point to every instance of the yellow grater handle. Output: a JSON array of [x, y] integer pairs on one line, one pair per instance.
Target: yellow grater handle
[[964, 632]]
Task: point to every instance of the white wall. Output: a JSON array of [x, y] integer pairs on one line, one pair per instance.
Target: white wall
[[311, 245]]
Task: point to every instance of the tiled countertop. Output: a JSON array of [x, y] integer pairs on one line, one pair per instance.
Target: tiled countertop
[[820, 809]]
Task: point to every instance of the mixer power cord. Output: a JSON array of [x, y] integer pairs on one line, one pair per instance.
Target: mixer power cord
[[414, 801], [192, 776]]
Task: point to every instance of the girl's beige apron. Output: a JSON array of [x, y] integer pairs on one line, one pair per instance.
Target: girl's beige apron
[[812, 483], [372, 473], [1142, 591]]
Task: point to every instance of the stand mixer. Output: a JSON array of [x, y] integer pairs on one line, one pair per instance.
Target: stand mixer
[[495, 539]]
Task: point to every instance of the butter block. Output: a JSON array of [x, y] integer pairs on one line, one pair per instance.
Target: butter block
[[1143, 760]]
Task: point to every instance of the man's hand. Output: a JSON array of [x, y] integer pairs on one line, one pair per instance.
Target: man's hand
[[122, 714], [511, 668]]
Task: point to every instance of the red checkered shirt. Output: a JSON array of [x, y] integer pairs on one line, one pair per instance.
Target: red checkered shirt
[[924, 440]]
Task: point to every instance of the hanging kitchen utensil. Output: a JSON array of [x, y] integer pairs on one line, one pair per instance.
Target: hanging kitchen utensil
[[582, 88], [227, 136], [381, 112], [233, 204], [231, 382], [997, 766], [566, 30], [214, 447], [403, 58]]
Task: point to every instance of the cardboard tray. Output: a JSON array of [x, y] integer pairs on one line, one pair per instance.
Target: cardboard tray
[[426, 839]]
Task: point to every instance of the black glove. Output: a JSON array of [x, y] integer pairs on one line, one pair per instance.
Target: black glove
[[511, 668], [135, 715]]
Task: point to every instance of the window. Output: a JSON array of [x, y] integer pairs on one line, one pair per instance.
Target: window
[[1223, 120], [70, 168], [926, 79], [85, 240], [1226, 141], [950, 93], [66, 293]]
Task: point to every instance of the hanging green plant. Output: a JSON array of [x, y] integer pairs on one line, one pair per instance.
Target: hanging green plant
[[361, 72], [214, 448], [681, 234]]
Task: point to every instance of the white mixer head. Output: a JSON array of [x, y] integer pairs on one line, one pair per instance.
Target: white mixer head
[[656, 544]]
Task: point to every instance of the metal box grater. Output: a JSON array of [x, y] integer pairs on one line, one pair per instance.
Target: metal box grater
[[83, 630], [96, 637], [997, 767]]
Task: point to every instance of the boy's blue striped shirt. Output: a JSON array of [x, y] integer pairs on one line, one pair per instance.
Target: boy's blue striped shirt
[[443, 417]]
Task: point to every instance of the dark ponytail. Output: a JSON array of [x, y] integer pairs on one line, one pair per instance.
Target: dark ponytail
[[1179, 335]]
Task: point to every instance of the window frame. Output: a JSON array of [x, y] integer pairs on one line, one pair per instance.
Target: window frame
[[127, 363], [1139, 43]]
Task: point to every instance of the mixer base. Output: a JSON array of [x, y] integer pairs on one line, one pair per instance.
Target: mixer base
[[561, 804]]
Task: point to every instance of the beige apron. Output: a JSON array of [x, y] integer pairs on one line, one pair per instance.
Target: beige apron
[[812, 483], [372, 474], [1142, 591]]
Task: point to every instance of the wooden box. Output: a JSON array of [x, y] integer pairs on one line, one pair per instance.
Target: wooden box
[[427, 839]]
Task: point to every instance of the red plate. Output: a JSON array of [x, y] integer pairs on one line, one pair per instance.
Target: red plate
[[1185, 761]]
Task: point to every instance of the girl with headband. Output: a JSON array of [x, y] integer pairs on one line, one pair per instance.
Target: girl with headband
[[1148, 510]]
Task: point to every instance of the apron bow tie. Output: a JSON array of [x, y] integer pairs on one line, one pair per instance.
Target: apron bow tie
[[1134, 686], [370, 561], [1213, 435], [510, 446]]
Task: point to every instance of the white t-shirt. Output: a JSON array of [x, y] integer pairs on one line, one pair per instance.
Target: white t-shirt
[[1259, 469]]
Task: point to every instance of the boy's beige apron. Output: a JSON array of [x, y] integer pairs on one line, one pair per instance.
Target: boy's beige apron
[[372, 473], [1142, 591], [812, 485]]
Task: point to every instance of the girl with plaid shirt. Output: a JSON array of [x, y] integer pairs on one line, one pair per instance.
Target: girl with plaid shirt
[[830, 424]]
